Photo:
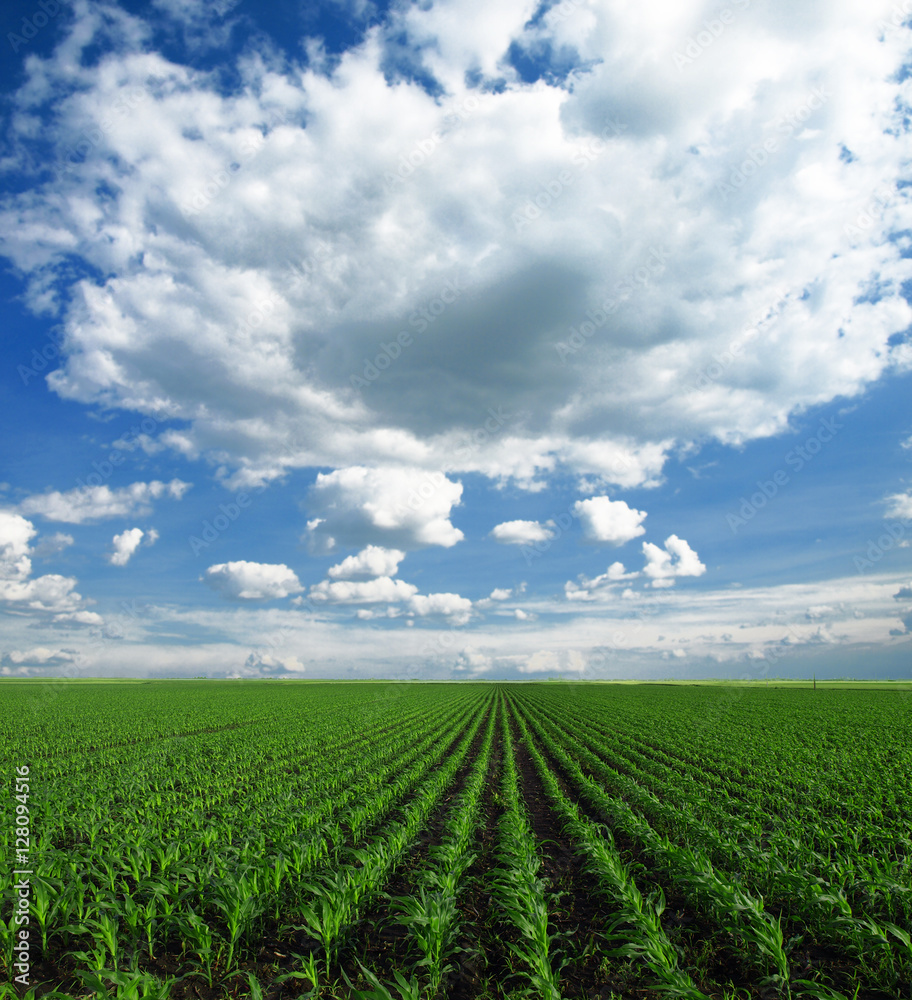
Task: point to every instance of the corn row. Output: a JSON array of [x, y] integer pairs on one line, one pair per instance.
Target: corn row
[[637, 921], [337, 896], [432, 915], [789, 877], [735, 909], [520, 893]]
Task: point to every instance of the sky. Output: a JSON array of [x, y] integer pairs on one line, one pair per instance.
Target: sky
[[456, 340]]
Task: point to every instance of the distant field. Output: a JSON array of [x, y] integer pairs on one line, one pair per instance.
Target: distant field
[[200, 839]]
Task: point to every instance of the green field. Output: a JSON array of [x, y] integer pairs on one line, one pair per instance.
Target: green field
[[203, 839]]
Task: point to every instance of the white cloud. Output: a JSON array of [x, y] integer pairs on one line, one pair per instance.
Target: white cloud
[[900, 506], [611, 521], [499, 594], [269, 665], [407, 508], [95, 503], [38, 656], [369, 562], [668, 226], [472, 661], [374, 591], [587, 589], [392, 611], [127, 542], [548, 661], [457, 609], [80, 617], [676, 559], [250, 581], [737, 631], [51, 593], [384, 590], [15, 534], [521, 532]]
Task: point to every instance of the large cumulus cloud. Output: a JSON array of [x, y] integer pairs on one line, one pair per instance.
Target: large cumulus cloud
[[334, 266]]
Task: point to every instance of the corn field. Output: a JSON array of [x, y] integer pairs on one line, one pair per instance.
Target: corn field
[[418, 841]]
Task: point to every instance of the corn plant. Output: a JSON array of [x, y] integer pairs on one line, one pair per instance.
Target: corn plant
[[276, 875], [45, 905], [127, 985], [309, 971], [406, 989], [8, 930], [104, 931], [255, 988], [9, 992], [196, 933], [431, 919], [237, 899], [329, 913]]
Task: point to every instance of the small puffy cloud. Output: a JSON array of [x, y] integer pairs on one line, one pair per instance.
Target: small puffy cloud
[[676, 559], [375, 591], [15, 534], [269, 665], [472, 661], [819, 611], [40, 656], [370, 562], [80, 618], [904, 593], [610, 521], [547, 661], [95, 503], [899, 505], [406, 508], [392, 611], [907, 443], [250, 581], [521, 533], [449, 605], [127, 542], [591, 589], [50, 593], [499, 594]]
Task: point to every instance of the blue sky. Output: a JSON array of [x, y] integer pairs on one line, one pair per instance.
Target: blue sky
[[456, 340]]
